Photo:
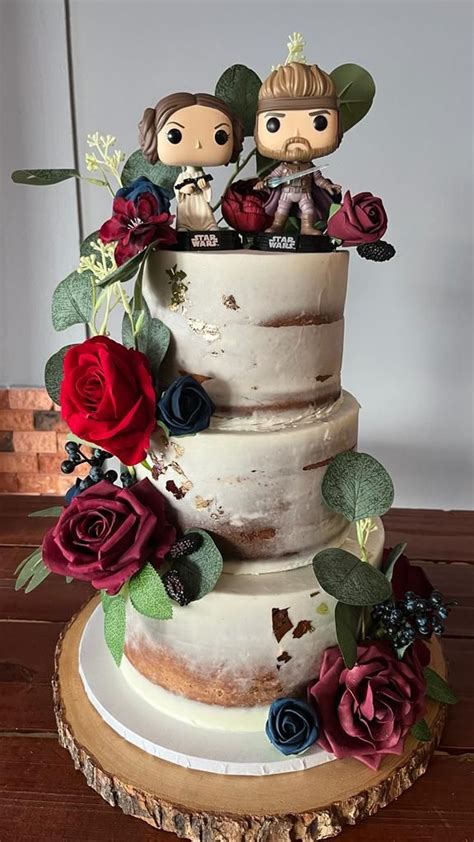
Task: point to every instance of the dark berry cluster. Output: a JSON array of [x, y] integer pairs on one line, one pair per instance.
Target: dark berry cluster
[[175, 588], [411, 617], [95, 461], [185, 546], [378, 251]]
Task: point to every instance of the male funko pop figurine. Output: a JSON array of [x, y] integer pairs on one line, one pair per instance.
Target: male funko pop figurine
[[297, 120]]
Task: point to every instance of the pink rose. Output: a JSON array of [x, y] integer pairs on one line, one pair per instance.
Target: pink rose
[[108, 533], [366, 712], [360, 219]]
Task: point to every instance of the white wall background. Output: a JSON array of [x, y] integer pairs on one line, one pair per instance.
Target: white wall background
[[409, 345]]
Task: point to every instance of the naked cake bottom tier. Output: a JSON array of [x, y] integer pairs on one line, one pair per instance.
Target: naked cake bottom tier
[[251, 640]]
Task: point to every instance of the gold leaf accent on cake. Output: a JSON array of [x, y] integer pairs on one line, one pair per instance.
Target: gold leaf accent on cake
[[322, 608], [199, 378], [281, 622], [178, 288], [303, 627], [230, 302], [201, 502], [178, 449], [209, 332]]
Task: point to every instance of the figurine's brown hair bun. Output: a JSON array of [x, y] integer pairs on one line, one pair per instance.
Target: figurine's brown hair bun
[[154, 119]]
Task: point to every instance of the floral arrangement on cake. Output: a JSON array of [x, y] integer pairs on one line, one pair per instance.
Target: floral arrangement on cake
[[373, 687]]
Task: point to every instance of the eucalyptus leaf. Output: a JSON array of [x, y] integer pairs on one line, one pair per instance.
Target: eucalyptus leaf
[[73, 301], [238, 86], [356, 90], [392, 559], [264, 165], [421, 731], [86, 246], [150, 336], [438, 689], [42, 178], [349, 579], [200, 571], [347, 619], [54, 372], [161, 174], [148, 595], [114, 625], [53, 511], [30, 560], [41, 573], [333, 208], [357, 486]]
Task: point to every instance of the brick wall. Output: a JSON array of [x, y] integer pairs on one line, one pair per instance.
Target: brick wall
[[32, 437]]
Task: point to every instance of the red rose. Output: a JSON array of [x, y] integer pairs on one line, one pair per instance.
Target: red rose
[[107, 397], [243, 208], [107, 533], [135, 225], [408, 577], [366, 712], [360, 219]]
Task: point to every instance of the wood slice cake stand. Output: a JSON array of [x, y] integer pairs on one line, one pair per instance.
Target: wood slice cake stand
[[202, 806]]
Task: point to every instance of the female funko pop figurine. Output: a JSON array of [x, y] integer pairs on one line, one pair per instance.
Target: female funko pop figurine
[[192, 131]]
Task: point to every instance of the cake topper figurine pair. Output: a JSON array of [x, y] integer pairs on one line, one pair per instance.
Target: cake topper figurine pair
[[297, 120], [191, 131]]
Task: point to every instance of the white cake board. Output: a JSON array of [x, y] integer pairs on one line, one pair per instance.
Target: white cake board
[[159, 734]]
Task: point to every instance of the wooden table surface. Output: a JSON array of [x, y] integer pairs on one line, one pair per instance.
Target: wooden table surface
[[42, 797]]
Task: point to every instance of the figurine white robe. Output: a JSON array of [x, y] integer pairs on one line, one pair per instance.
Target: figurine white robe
[[193, 210]]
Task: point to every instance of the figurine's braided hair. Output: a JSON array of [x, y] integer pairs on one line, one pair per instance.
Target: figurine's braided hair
[[154, 119]]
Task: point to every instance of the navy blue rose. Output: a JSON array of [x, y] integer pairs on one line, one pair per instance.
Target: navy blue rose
[[143, 185], [185, 407], [292, 726], [73, 491]]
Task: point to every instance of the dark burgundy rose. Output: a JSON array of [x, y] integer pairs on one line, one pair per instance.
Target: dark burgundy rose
[[137, 224], [108, 533], [360, 219], [367, 711], [243, 208], [407, 577]]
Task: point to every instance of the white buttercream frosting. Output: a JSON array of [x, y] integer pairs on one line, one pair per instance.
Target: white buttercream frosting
[[262, 330]]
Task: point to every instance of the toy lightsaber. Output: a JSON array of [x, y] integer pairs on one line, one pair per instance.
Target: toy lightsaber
[[276, 180]]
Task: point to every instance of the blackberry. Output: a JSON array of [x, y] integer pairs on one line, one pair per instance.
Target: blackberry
[[378, 251], [71, 447], [185, 546], [175, 588], [67, 466]]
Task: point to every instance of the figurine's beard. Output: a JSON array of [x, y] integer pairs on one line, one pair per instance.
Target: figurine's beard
[[304, 152]]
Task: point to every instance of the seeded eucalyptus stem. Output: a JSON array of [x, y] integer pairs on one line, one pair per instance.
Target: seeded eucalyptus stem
[[239, 166]]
